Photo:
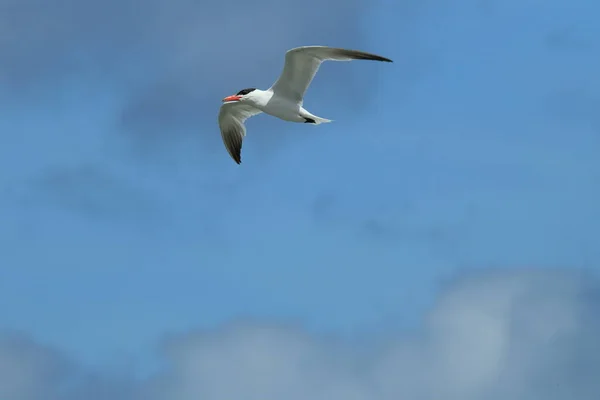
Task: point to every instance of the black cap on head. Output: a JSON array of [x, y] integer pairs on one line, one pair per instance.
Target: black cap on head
[[244, 92]]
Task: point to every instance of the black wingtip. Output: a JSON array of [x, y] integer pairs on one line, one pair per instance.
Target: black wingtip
[[377, 58], [238, 156], [362, 55]]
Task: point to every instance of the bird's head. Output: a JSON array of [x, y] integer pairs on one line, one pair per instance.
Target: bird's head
[[242, 95]]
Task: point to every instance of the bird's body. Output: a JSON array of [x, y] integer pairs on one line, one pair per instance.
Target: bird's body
[[285, 98]]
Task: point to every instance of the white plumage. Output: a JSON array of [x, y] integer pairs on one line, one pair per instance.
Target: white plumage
[[285, 98]]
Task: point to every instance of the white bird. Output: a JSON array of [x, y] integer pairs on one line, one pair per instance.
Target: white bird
[[284, 99]]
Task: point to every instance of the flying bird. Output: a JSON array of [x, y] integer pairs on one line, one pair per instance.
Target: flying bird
[[284, 99]]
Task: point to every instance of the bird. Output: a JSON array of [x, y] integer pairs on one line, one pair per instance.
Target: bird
[[285, 98]]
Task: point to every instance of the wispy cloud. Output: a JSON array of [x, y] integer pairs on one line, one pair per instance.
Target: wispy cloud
[[90, 190], [29, 370], [170, 59], [156, 72], [399, 223], [576, 106], [492, 335]]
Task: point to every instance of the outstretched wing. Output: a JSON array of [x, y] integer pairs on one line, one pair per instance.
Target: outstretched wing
[[302, 63], [232, 116]]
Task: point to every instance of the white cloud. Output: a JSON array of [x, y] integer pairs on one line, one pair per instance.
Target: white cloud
[[491, 336], [167, 43], [159, 68], [27, 370]]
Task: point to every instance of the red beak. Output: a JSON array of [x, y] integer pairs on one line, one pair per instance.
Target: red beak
[[232, 98]]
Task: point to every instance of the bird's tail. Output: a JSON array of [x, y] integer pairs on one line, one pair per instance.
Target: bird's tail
[[319, 120], [313, 119]]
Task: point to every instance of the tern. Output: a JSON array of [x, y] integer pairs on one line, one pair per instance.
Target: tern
[[284, 99]]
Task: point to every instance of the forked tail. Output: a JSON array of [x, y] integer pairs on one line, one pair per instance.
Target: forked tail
[[319, 120], [312, 119]]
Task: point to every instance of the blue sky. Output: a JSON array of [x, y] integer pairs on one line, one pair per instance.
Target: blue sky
[[130, 241]]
